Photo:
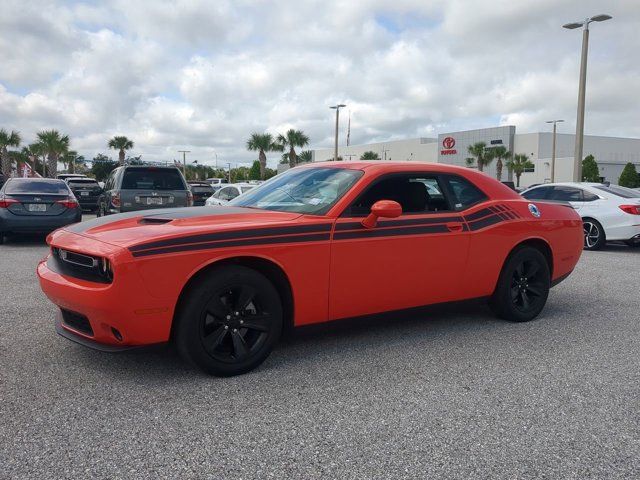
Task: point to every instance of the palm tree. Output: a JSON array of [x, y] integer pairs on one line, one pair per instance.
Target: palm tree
[[262, 143], [518, 164], [480, 154], [292, 139], [8, 140], [305, 156], [120, 143], [500, 153], [55, 145], [37, 149], [369, 156]]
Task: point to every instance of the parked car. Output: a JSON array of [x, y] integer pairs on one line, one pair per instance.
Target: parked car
[[131, 188], [216, 181], [201, 191], [228, 193], [67, 176], [609, 213], [320, 242], [36, 205], [87, 191]]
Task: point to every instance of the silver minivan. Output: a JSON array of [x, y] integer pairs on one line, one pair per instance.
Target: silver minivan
[[142, 187]]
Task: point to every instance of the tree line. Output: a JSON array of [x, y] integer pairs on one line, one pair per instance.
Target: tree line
[[49, 148]]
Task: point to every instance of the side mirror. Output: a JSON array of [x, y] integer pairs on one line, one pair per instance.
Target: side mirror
[[382, 209]]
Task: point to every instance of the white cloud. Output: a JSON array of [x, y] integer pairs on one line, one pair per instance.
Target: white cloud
[[203, 75]]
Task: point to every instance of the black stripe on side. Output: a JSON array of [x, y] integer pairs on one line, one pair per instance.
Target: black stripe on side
[[398, 223], [479, 214], [391, 232], [235, 243], [484, 222], [236, 234]]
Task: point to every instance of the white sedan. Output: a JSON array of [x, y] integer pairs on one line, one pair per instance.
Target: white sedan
[[228, 192], [609, 212]]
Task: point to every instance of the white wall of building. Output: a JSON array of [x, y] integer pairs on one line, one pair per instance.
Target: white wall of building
[[611, 153], [413, 149]]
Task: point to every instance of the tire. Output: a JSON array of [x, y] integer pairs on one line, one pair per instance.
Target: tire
[[229, 321], [594, 235], [523, 286], [633, 243], [1, 238]]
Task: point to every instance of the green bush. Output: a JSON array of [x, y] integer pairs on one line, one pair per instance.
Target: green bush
[[629, 177], [590, 171]]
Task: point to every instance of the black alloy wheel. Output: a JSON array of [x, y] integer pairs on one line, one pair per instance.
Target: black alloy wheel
[[523, 286], [234, 324], [229, 320]]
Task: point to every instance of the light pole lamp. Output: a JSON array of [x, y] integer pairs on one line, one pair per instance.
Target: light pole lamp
[[577, 165], [337, 109], [553, 149], [184, 161]]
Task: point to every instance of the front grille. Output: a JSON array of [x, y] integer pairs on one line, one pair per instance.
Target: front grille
[[76, 321], [78, 265]]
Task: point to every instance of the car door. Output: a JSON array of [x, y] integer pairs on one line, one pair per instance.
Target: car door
[[415, 259]]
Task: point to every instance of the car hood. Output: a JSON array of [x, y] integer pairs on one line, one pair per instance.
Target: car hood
[[134, 228]]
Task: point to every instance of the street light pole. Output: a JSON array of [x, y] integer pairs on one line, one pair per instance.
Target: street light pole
[[337, 109], [577, 165], [553, 150], [184, 161]]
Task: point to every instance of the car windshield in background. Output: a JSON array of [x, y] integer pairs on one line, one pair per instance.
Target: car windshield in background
[[619, 191], [305, 190], [152, 179], [51, 187]]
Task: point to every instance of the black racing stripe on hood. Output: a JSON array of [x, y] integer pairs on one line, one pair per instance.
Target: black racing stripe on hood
[[168, 213], [234, 234]]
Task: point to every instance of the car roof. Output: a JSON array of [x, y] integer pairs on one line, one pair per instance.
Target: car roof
[[35, 179]]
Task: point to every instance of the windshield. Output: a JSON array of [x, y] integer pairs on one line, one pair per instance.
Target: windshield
[[619, 191], [305, 190], [152, 179]]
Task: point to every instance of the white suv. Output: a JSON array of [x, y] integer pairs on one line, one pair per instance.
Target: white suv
[[609, 212]]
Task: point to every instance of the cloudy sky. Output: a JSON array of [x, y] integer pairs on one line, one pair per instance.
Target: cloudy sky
[[202, 75]]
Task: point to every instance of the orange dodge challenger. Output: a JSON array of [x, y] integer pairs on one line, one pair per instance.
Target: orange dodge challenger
[[320, 242]]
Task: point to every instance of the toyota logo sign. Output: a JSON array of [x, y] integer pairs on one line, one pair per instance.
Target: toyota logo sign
[[448, 142]]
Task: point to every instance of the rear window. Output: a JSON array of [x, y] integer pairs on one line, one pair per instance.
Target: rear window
[[201, 188], [152, 179], [51, 187], [619, 191], [82, 182]]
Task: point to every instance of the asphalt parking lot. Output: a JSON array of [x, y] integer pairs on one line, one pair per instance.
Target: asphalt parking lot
[[448, 393]]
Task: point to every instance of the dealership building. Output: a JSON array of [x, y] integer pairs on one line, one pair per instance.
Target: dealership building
[[611, 153]]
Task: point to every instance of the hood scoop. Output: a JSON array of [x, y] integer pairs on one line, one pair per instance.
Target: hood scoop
[[154, 221]]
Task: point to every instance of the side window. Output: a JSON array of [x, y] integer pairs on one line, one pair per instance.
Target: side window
[[233, 193], [539, 193], [566, 194], [416, 194], [228, 193], [465, 194], [589, 197]]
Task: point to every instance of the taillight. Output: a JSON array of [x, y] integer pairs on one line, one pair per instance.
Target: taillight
[[115, 200], [630, 209], [6, 202], [68, 203], [189, 198]]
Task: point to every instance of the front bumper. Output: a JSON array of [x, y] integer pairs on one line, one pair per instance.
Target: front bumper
[[80, 339], [121, 314]]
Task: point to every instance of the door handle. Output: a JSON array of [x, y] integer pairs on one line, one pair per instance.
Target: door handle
[[455, 226]]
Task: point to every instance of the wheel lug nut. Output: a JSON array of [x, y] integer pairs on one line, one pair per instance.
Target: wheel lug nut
[[235, 330], [226, 327], [228, 317], [241, 322], [237, 313]]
